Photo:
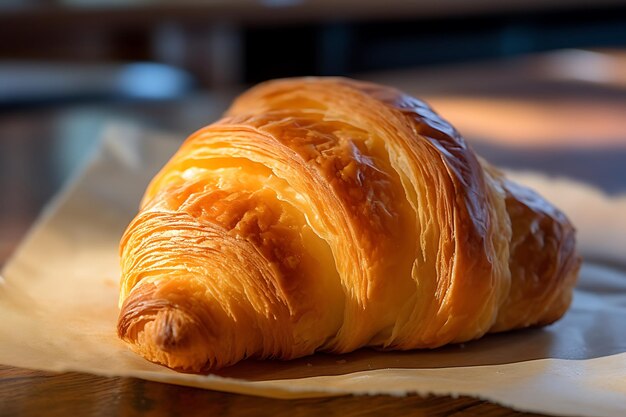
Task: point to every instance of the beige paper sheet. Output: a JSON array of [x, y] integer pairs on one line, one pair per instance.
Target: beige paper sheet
[[58, 304]]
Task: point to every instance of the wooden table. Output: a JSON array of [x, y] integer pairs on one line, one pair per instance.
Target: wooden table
[[30, 140], [33, 393]]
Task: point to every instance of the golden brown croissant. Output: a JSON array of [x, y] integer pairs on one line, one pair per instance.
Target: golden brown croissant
[[326, 214]]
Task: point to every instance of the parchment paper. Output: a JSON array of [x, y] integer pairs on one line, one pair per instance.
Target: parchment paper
[[58, 308]]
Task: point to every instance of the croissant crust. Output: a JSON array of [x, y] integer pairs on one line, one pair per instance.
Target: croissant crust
[[326, 214]]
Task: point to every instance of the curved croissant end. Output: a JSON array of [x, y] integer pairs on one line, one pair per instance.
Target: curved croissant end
[[325, 214]]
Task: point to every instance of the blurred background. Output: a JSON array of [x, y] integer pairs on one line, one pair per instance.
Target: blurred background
[[532, 84]]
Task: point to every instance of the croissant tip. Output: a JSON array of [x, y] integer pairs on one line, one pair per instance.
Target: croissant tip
[[164, 331], [172, 329]]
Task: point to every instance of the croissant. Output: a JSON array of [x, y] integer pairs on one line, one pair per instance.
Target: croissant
[[326, 214]]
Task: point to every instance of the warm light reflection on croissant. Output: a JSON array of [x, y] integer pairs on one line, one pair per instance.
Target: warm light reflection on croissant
[[328, 215]]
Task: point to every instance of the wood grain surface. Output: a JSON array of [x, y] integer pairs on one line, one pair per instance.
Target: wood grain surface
[[33, 393]]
